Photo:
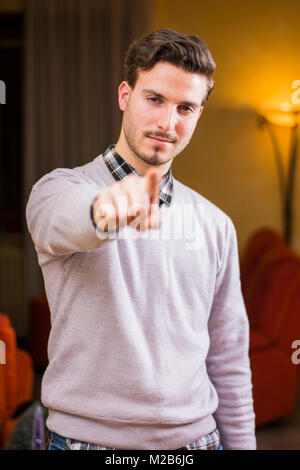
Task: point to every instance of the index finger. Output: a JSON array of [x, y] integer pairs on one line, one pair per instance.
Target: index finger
[[152, 185]]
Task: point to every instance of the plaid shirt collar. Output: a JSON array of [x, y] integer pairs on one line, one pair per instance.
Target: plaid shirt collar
[[119, 169]]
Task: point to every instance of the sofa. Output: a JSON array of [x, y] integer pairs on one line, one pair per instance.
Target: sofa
[[16, 380], [270, 280]]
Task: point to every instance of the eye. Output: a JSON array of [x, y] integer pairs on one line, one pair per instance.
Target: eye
[[186, 109], [153, 99]]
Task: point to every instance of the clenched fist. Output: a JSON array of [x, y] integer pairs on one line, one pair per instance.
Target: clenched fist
[[132, 201]]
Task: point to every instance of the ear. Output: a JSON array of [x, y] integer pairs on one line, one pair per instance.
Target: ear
[[124, 94], [200, 111]]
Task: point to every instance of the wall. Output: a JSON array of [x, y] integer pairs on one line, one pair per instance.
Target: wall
[[230, 160], [11, 6]]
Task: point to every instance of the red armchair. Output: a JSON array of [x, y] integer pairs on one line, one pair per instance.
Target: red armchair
[[270, 276], [16, 379]]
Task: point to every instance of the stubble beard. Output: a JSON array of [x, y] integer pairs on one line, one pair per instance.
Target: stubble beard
[[152, 159]]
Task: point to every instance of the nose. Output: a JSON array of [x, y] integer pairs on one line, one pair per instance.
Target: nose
[[167, 119]]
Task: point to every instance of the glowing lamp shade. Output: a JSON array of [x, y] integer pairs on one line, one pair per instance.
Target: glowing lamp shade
[[285, 116]]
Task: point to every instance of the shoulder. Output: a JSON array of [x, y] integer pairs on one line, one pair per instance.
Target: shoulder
[[217, 228], [215, 216], [64, 176]]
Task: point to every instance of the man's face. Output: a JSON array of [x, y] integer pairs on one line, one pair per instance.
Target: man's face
[[161, 112]]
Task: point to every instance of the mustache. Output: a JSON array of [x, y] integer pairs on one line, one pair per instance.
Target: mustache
[[162, 136]]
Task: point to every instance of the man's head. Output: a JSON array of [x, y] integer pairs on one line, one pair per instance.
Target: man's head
[[168, 78]]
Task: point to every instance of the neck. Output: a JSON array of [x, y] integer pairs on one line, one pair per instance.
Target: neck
[[134, 160]]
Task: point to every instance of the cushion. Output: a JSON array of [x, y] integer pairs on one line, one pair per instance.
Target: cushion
[[258, 340], [8, 335], [29, 431]]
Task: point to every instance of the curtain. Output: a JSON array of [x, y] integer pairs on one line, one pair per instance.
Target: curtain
[[74, 52]]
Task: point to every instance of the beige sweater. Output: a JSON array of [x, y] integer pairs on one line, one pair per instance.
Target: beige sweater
[[149, 341]]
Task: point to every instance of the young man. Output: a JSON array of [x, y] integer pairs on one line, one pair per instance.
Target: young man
[[149, 341]]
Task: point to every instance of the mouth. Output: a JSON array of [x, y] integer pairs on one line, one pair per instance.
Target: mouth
[[160, 140]]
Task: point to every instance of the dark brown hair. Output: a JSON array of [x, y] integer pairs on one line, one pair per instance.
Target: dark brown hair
[[183, 50]]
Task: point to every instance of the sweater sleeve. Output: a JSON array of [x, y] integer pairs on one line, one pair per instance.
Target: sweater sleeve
[[228, 362], [58, 213]]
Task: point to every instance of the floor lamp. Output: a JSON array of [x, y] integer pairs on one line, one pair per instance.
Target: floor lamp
[[286, 179]]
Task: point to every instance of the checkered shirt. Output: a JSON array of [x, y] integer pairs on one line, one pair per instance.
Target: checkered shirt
[[209, 442], [119, 169]]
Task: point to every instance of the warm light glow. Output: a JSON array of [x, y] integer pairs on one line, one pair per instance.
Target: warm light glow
[[285, 107], [284, 116]]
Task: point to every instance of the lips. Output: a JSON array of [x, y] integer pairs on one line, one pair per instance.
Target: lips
[[160, 139]]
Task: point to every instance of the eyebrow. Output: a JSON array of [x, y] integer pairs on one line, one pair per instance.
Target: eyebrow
[[185, 103]]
